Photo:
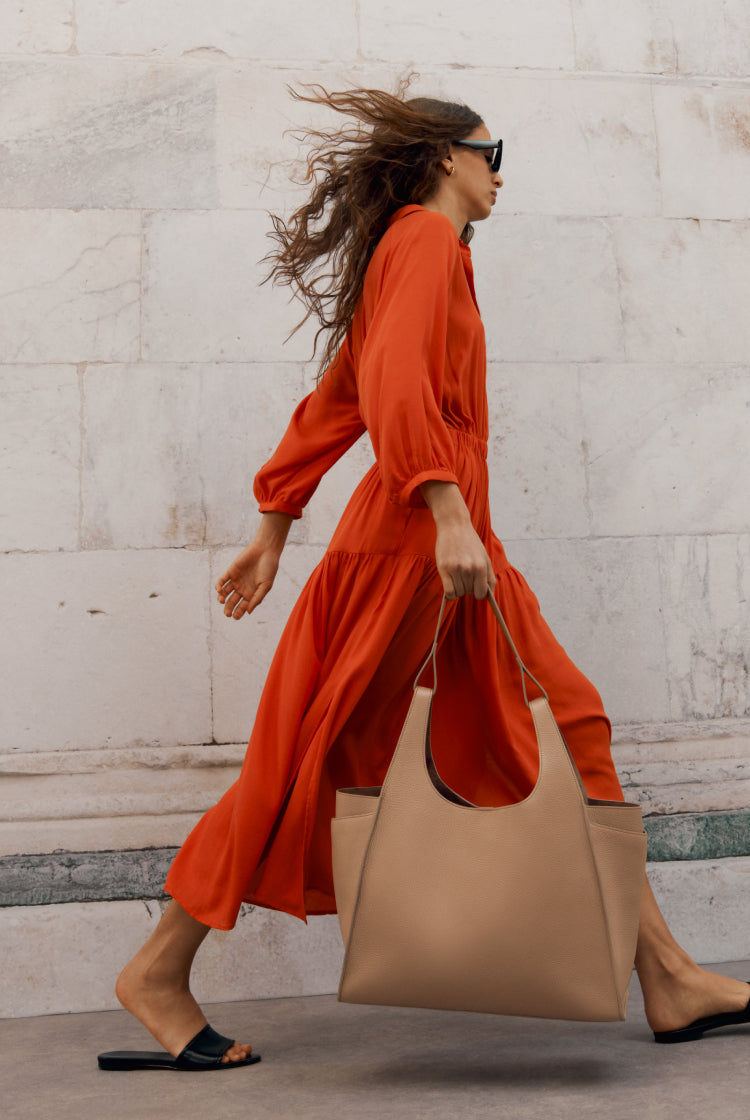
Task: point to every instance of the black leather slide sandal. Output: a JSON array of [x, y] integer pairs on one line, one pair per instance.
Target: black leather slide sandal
[[695, 1029], [203, 1052]]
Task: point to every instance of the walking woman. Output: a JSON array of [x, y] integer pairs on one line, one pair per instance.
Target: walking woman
[[380, 255]]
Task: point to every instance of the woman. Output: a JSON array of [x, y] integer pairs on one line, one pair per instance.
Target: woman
[[390, 214]]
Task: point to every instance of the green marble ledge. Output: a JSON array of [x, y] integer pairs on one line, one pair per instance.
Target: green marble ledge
[[698, 835], [38, 880]]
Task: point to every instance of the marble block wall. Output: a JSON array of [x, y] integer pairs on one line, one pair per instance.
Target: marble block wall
[[144, 377]]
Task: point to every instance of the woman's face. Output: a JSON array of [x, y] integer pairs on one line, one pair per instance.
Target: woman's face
[[474, 181]]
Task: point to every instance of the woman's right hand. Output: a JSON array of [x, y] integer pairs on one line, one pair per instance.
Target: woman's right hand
[[462, 560], [249, 578]]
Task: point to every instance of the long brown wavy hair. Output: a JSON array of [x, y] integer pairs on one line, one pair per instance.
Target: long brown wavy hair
[[361, 174]]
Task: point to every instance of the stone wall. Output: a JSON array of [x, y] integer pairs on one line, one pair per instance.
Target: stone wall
[[144, 378]]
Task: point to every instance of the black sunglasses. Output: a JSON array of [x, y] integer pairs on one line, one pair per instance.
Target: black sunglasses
[[483, 145]]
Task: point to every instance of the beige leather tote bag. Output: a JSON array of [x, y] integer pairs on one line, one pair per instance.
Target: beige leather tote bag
[[524, 909]]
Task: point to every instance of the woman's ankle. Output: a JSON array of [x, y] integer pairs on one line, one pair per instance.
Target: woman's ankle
[[667, 962]]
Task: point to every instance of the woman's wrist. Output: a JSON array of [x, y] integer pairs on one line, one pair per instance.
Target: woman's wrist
[[274, 529], [446, 503]]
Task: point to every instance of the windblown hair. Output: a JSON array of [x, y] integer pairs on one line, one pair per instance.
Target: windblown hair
[[361, 175]]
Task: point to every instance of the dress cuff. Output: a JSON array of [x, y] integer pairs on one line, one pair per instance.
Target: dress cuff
[[281, 507], [411, 495]]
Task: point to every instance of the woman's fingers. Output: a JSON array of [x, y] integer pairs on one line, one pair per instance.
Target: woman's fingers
[[224, 586], [481, 586], [257, 597], [232, 600], [467, 578], [484, 582], [236, 605], [448, 588]]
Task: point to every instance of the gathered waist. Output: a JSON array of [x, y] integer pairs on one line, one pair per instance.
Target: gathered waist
[[475, 444]]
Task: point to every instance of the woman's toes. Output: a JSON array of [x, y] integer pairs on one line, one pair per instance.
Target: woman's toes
[[237, 1052]]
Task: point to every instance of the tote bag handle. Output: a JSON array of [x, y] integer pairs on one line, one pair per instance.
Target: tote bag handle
[[432, 655]]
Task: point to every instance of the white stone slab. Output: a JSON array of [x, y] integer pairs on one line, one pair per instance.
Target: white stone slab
[[663, 36], [41, 27], [234, 28], [706, 595], [39, 456], [258, 159], [697, 776], [691, 796], [96, 834], [704, 145], [639, 39], [68, 957], [114, 792], [69, 285], [170, 451], [684, 289], [107, 133], [694, 767], [535, 461], [706, 904], [702, 733], [291, 958], [242, 649], [602, 601], [202, 294], [105, 649], [173, 756], [569, 146], [102, 785], [548, 289], [652, 434], [537, 34]]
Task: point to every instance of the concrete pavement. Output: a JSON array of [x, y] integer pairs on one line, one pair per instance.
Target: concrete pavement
[[322, 1059]]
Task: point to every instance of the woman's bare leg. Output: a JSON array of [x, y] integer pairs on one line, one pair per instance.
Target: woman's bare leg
[[155, 985], [675, 989]]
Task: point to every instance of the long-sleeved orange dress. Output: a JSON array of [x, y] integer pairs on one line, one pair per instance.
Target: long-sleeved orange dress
[[412, 373]]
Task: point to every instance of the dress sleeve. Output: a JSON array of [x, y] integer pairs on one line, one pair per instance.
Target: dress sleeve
[[322, 428], [402, 363]]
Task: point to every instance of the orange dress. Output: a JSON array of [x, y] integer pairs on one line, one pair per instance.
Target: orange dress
[[411, 372]]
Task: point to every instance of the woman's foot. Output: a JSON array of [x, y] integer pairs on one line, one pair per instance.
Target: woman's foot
[[677, 998], [165, 1006]]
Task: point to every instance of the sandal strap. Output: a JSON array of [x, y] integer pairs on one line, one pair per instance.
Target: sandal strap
[[207, 1048]]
